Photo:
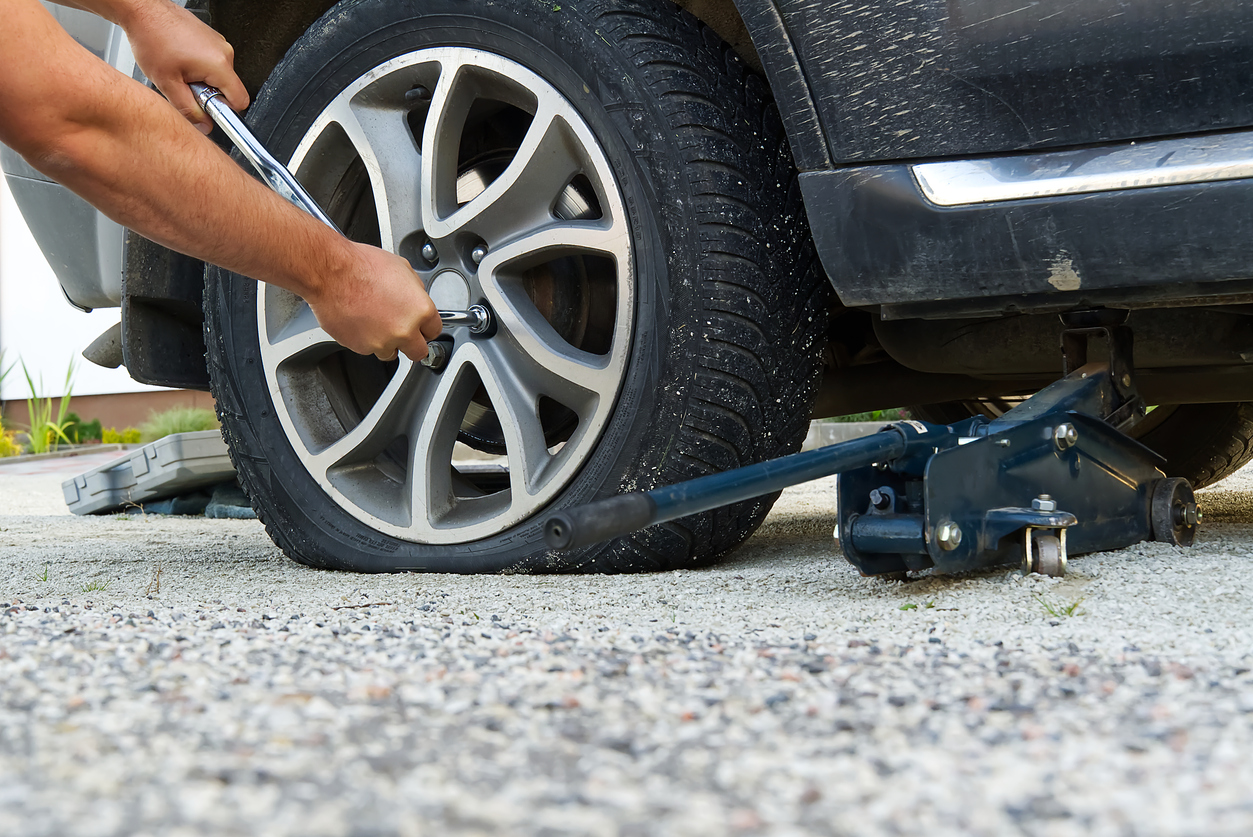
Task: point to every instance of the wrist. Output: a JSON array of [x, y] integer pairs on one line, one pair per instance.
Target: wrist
[[131, 15], [332, 261]]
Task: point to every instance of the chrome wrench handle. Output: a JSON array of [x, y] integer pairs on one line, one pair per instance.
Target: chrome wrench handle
[[274, 173]]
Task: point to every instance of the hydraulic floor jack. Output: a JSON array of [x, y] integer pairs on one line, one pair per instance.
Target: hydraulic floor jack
[[1052, 477]]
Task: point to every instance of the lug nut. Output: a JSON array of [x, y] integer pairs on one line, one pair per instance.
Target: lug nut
[[429, 252], [437, 353], [1065, 436], [478, 254], [948, 535], [1044, 503]]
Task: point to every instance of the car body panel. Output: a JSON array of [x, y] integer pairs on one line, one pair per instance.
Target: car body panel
[[932, 78], [83, 247]]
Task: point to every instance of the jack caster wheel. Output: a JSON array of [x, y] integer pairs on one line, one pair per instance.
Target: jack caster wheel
[[1175, 512], [1044, 554]]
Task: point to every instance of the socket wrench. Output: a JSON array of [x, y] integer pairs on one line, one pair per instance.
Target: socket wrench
[[477, 318]]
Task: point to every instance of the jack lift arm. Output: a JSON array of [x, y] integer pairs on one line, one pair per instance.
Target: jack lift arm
[[1053, 476]]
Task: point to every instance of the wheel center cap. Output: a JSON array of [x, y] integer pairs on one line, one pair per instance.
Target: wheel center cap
[[450, 291]]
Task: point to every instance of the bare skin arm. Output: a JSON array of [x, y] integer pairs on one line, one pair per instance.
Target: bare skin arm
[[128, 153]]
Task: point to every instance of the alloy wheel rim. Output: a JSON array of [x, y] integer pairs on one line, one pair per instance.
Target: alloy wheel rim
[[469, 156]]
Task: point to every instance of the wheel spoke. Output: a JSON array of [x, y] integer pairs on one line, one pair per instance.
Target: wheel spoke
[[517, 407], [435, 422], [382, 137], [379, 427], [521, 198], [558, 369], [300, 338]]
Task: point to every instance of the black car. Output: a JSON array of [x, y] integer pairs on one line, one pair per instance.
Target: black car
[[698, 226]]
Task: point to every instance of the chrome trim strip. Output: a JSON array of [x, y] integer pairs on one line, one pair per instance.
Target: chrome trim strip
[[1137, 165]]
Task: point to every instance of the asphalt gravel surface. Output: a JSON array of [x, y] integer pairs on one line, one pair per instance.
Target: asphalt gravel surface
[[172, 676]]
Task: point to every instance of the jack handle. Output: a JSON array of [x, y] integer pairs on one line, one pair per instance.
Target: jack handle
[[614, 517]]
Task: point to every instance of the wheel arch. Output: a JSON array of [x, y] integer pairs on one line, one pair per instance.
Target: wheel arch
[[263, 32]]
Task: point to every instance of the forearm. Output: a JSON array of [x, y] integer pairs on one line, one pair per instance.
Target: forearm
[[127, 152], [148, 169], [123, 149]]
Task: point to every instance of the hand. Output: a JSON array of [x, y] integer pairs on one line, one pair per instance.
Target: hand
[[174, 49], [378, 307]]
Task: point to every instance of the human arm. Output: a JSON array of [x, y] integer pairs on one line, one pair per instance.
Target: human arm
[[124, 150]]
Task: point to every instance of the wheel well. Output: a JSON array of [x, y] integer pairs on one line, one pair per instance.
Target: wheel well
[[261, 33], [160, 307]]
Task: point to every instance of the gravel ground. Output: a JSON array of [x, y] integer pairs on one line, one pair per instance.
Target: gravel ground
[[164, 676]]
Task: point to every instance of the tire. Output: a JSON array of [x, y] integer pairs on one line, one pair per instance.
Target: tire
[[659, 315], [1203, 443]]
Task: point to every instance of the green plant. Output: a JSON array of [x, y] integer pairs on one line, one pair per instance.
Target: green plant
[[894, 414], [44, 432], [83, 431], [97, 586], [8, 443], [127, 436], [178, 420], [1059, 611], [44, 576], [4, 371]]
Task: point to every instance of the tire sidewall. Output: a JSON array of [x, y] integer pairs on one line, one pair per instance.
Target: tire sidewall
[[567, 52]]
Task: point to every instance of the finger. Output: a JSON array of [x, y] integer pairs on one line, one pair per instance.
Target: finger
[[232, 88], [416, 350], [432, 327], [387, 357]]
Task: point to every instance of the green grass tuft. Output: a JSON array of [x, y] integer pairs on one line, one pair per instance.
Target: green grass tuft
[[177, 420], [1060, 611]]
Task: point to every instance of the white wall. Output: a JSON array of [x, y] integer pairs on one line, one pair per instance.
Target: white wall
[[38, 326]]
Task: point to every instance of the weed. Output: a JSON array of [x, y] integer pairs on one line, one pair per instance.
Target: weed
[[910, 606], [1060, 611], [178, 420], [44, 577], [44, 432], [96, 586], [926, 605], [154, 586]]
